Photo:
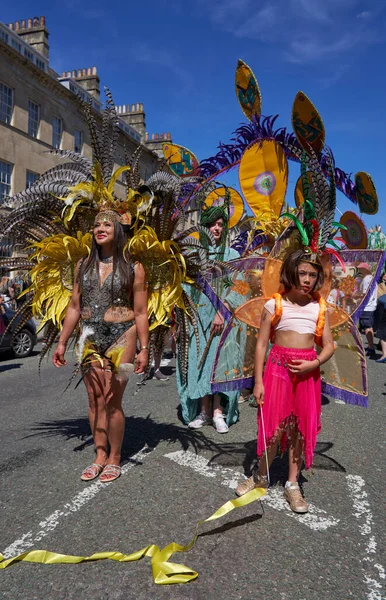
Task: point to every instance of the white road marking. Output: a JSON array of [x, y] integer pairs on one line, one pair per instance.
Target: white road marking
[[28, 540], [316, 519], [373, 572]]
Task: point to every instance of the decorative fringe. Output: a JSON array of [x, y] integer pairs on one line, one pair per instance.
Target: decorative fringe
[[125, 370]]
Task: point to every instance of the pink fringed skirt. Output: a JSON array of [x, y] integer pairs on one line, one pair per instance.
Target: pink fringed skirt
[[290, 400]]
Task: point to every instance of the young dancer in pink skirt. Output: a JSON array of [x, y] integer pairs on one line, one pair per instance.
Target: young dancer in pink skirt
[[289, 392]]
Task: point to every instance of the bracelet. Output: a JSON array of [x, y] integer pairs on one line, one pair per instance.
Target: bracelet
[[144, 347], [318, 359]]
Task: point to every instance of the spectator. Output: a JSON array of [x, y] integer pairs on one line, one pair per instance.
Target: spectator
[[380, 317], [366, 321]]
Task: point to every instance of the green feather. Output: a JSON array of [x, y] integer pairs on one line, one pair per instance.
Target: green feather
[[339, 226], [298, 224], [334, 245]]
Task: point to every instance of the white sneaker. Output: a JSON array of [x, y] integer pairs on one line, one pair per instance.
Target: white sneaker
[[200, 421], [160, 376], [219, 423]]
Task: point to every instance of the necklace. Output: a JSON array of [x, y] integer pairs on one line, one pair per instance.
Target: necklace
[[108, 259]]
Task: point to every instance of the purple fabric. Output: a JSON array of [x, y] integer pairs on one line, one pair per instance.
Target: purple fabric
[[215, 300], [236, 384], [262, 128], [346, 396]]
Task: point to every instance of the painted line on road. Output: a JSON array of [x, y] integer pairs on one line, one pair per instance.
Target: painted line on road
[[316, 519], [28, 540], [373, 572]]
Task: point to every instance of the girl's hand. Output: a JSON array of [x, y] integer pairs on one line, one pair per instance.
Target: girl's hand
[[258, 392], [303, 366], [141, 361], [218, 324], [58, 358]]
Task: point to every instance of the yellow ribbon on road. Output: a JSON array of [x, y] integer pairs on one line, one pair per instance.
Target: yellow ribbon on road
[[164, 572]]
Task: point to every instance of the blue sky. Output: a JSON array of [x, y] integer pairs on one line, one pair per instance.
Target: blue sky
[[179, 59]]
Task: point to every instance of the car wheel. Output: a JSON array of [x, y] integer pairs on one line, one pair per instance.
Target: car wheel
[[22, 343]]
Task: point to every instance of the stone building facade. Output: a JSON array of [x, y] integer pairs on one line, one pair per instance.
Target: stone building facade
[[39, 111]]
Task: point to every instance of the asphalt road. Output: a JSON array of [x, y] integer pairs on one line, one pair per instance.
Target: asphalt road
[[173, 478]]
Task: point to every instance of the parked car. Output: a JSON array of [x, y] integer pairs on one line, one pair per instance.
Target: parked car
[[23, 342]]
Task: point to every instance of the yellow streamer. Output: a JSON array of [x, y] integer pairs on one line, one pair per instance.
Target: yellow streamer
[[164, 572]]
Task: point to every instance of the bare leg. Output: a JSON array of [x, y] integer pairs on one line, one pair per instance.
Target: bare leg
[[370, 338], [383, 346], [114, 389], [217, 408], [295, 457], [206, 404], [94, 381], [271, 453]]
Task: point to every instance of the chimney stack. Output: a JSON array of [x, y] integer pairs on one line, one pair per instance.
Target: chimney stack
[[89, 80], [34, 32], [134, 115]]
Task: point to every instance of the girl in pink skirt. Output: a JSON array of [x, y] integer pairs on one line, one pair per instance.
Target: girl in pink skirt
[[289, 392]]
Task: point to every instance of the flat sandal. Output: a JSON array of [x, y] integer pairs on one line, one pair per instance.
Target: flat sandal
[[94, 469], [113, 470]]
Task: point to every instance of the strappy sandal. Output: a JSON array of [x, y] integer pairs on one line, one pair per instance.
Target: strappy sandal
[[92, 472], [112, 472]]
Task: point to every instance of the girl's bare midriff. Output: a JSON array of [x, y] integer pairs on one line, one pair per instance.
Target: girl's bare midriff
[[293, 339]]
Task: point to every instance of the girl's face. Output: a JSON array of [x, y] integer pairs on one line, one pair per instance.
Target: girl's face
[[216, 229], [104, 232], [384, 278], [307, 276]]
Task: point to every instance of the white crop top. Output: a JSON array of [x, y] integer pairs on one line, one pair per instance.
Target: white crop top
[[302, 319]]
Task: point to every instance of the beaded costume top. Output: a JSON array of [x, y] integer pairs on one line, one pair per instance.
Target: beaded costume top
[[97, 298]]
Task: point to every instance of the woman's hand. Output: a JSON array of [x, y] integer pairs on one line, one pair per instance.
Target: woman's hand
[[141, 361], [58, 358], [303, 366], [258, 392], [218, 324]]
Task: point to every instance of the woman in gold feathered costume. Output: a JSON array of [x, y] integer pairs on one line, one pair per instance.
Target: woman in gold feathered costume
[[110, 299], [93, 284]]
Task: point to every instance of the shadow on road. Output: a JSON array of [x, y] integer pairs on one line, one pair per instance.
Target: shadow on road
[[141, 432], [4, 368]]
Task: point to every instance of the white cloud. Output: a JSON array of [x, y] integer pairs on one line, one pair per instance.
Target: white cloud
[[303, 31]]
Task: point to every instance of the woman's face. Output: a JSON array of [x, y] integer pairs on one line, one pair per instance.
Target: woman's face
[[216, 228], [307, 276], [104, 232], [384, 277]]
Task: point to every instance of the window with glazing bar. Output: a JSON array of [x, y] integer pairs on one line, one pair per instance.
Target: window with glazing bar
[[6, 103], [5, 180], [78, 141], [57, 130], [31, 178], [33, 118]]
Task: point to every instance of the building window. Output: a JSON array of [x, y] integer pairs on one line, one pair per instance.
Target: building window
[[31, 178], [28, 54], [40, 64], [5, 180], [4, 36], [33, 118], [57, 129], [6, 103], [78, 141], [16, 45]]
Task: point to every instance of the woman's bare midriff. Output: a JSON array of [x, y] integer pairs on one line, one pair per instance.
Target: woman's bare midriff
[[293, 339], [118, 314]]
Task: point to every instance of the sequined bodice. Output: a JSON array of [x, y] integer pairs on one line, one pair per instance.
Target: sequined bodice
[[96, 299]]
